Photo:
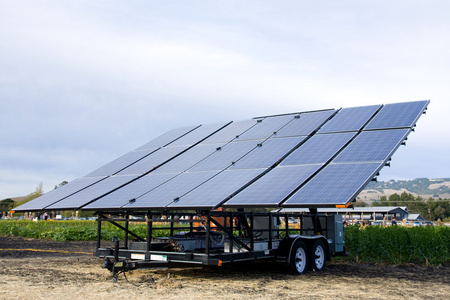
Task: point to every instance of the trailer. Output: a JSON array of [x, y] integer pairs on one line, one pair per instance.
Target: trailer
[[220, 238], [204, 191]]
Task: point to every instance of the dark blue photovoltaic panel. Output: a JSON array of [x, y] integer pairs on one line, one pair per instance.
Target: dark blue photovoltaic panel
[[120, 163], [306, 124], [167, 192], [230, 132], [188, 159], [167, 138], [94, 191], [266, 127], [376, 145], [273, 187], [270, 152], [58, 194], [198, 134], [214, 191], [336, 184], [350, 119], [153, 160], [132, 190], [225, 156], [318, 149], [398, 115]]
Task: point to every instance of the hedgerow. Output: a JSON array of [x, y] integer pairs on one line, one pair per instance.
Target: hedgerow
[[397, 245]]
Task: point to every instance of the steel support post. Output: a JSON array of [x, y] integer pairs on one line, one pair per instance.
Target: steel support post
[[127, 223], [149, 230]]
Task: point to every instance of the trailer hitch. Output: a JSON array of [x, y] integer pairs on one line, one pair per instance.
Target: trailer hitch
[[117, 266]]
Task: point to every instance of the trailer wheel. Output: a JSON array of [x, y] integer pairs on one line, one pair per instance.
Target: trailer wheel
[[318, 256], [299, 259]]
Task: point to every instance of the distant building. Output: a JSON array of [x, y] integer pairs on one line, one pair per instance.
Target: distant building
[[376, 213]]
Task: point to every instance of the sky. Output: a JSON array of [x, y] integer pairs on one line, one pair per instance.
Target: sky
[[83, 82]]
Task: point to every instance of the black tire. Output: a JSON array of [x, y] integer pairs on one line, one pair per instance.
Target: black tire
[[318, 256], [299, 259]]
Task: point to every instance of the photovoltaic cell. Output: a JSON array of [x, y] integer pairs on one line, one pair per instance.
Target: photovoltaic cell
[[198, 134], [188, 159], [93, 192], [165, 194], [305, 124], [218, 188], [225, 156], [270, 152], [131, 191], [273, 187], [230, 132], [168, 137], [153, 160], [266, 127], [376, 145], [58, 194], [336, 184], [350, 119], [330, 160], [398, 115], [120, 163], [318, 149]]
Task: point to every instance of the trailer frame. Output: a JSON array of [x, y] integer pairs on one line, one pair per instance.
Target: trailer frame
[[222, 238]]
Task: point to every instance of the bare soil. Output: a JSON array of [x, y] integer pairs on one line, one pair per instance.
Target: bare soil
[[29, 274]]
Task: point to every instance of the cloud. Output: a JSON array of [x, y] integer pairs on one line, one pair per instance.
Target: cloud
[[88, 81]]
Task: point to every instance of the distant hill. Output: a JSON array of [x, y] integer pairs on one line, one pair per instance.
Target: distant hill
[[424, 187]]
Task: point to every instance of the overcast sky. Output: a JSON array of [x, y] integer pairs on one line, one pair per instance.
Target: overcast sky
[[83, 82]]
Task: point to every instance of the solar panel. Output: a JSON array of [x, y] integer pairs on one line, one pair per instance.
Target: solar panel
[[211, 193], [120, 163], [133, 190], [92, 192], [305, 124], [58, 194], [268, 153], [188, 159], [168, 137], [273, 187], [165, 194], [266, 127], [153, 160], [318, 149], [336, 184], [225, 156], [350, 119], [376, 145], [398, 115], [310, 159], [199, 134], [230, 132]]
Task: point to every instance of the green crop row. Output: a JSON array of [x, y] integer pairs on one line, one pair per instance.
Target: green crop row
[[394, 244], [397, 245], [70, 230]]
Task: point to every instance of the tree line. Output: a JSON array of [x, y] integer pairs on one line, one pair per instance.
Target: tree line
[[428, 208]]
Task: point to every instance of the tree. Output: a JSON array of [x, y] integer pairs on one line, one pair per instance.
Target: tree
[[61, 184], [6, 204]]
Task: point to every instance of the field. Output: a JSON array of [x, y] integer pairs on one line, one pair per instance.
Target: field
[[26, 274]]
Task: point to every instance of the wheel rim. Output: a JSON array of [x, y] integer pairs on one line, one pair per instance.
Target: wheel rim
[[300, 260], [319, 257]]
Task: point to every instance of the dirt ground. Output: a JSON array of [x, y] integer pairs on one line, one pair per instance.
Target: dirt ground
[[27, 274]]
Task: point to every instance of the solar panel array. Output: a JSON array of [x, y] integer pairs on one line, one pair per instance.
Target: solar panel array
[[308, 159]]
